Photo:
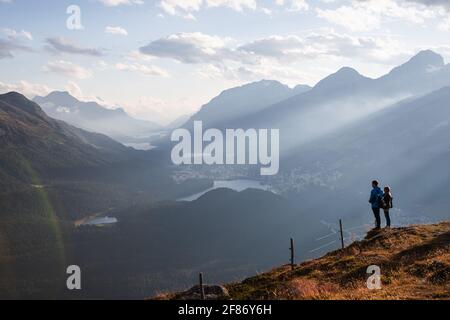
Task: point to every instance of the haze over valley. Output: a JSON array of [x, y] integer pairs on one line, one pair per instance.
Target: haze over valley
[[158, 224]]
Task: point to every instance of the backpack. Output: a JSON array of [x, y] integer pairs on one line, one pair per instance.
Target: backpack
[[386, 201], [381, 203]]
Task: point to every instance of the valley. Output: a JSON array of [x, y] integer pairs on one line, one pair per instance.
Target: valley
[[139, 225]]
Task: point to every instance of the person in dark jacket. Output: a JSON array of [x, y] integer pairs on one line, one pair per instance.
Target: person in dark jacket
[[387, 205], [376, 196]]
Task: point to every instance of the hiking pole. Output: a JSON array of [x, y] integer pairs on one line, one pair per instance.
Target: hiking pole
[[342, 234]]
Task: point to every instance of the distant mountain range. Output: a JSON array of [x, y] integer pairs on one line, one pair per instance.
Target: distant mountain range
[[349, 129], [307, 113], [233, 104], [37, 150], [405, 145], [115, 123], [335, 138], [31, 140]]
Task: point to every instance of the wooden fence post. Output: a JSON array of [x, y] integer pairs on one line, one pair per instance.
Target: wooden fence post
[[292, 254], [202, 289], [342, 234]]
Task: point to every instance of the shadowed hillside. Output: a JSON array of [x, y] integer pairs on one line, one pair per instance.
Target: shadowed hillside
[[414, 262]]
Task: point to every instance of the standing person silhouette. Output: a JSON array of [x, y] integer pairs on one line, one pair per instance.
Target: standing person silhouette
[[376, 196], [387, 205]]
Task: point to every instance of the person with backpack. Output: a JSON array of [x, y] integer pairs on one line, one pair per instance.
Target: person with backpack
[[387, 204], [376, 198]]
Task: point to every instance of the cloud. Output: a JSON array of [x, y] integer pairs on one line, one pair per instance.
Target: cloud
[[366, 15], [194, 48], [68, 69], [160, 110], [11, 33], [186, 8], [291, 59], [26, 88], [9, 46], [115, 3], [63, 45], [142, 69], [116, 30], [293, 5], [439, 3], [74, 89], [189, 48]]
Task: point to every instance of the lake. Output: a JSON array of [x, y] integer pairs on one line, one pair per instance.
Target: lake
[[143, 146], [236, 185], [100, 221]]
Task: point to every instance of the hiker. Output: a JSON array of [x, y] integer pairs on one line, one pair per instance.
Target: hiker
[[387, 204], [376, 196]]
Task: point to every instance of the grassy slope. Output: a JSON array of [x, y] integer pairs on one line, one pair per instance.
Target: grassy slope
[[414, 261]]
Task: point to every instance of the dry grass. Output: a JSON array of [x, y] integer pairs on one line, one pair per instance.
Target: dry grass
[[414, 262]]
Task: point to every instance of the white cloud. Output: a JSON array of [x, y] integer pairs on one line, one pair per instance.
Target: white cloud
[[192, 48], [354, 19], [9, 46], [68, 69], [160, 110], [439, 3], [189, 47], [63, 45], [116, 31], [293, 5], [275, 57], [26, 88], [366, 15], [186, 8], [115, 3], [444, 25], [74, 89], [136, 55], [18, 34], [142, 69]]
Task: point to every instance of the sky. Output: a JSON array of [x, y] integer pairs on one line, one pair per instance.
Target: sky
[[161, 59]]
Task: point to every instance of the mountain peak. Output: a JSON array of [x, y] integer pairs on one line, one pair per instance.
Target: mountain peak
[[344, 76], [261, 84], [428, 57], [61, 96], [57, 98], [12, 95], [422, 62], [18, 99]]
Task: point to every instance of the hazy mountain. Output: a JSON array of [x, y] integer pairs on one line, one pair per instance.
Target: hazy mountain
[[33, 141], [347, 96], [178, 122], [423, 73], [89, 171], [96, 118], [242, 101], [406, 146]]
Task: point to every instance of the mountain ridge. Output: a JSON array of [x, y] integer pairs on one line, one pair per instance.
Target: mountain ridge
[[91, 116], [31, 140]]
